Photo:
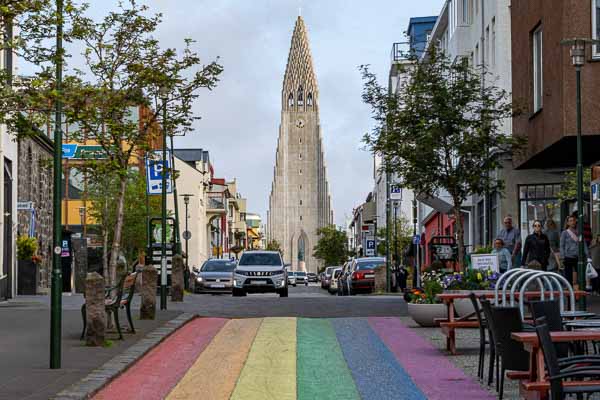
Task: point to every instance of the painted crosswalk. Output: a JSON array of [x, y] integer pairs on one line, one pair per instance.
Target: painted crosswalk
[[295, 359]]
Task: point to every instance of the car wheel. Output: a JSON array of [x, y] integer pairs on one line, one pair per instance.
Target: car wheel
[[238, 292], [283, 292]]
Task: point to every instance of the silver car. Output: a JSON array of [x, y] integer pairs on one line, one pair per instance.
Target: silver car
[[213, 277], [260, 272]]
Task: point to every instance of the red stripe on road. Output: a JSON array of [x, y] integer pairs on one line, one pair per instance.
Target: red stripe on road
[[158, 372]]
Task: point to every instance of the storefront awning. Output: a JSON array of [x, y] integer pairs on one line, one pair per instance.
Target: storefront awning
[[436, 203]]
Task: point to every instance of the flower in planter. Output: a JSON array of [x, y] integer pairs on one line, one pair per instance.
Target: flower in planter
[[36, 259]]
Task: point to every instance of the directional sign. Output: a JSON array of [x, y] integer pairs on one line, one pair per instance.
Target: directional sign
[[416, 239], [154, 169], [395, 191], [74, 151]]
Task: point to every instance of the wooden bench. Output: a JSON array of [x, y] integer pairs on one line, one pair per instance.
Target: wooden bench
[[112, 304], [449, 330]]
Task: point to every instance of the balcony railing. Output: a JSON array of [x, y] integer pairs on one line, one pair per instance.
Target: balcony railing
[[400, 51]]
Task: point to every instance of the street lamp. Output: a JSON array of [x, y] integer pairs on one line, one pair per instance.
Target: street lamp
[[163, 91], [187, 234], [578, 46]]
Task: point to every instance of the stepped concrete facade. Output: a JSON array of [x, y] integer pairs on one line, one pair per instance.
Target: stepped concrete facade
[[299, 202]]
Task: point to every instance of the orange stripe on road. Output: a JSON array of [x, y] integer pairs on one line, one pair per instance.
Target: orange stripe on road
[[216, 371]]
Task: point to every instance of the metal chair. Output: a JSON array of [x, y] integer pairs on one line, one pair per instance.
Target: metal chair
[[486, 307], [482, 336]]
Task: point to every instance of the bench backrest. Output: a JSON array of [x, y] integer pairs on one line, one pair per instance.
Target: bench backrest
[[129, 285]]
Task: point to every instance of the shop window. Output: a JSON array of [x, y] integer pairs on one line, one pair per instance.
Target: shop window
[[539, 202]]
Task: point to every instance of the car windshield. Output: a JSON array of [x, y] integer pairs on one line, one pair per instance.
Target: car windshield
[[337, 273], [328, 270], [300, 273], [270, 259], [361, 266], [218, 266]]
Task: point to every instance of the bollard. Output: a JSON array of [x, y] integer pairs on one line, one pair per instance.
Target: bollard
[[380, 279], [148, 292], [95, 313], [177, 283]]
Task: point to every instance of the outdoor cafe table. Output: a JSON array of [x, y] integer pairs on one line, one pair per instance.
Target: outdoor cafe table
[[451, 323], [536, 386]]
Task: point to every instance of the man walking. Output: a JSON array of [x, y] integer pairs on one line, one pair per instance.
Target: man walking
[[511, 237]]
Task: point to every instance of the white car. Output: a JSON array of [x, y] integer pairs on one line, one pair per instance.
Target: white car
[[301, 277], [333, 284], [260, 272], [291, 278]]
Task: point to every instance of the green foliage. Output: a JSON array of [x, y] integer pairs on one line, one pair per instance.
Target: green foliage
[[332, 246], [431, 287], [568, 190], [483, 250], [273, 245], [402, 239], [26, 247], [441, 131]]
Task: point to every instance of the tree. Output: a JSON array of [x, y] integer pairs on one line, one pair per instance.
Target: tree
[[441, 131], [402, 238], [273, 245], [569, 188], [332, 246]]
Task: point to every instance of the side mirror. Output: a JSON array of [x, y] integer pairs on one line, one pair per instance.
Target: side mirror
[[195, 270]]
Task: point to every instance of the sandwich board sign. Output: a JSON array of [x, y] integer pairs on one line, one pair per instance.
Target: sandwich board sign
[[485, 262]]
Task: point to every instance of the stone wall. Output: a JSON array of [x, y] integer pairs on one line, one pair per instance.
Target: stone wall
[[35, 184]]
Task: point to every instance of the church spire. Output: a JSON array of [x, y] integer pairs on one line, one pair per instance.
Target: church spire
[[300, 89]]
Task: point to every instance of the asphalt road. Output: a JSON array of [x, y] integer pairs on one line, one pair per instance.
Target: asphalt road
[[303, 301]]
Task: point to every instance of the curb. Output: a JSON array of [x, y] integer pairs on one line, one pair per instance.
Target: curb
[[102, 376]]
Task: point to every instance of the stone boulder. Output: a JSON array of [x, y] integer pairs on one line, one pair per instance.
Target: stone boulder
[[148, 292], [95, 312], [177, 278]]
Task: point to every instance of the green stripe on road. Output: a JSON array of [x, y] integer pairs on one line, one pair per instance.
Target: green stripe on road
[[270, 370], [322, 370]]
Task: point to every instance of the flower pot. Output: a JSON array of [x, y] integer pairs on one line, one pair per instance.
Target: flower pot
[[463, 307], [27, 277], [425, 314]]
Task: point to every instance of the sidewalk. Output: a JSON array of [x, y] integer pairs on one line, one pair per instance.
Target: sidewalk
[[25, 346]]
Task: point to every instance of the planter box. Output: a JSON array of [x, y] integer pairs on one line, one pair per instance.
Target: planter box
[[27, 277], [425, 314]]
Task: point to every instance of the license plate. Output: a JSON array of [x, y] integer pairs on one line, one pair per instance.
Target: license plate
[[369, 276], [258, 282], [217, 286]]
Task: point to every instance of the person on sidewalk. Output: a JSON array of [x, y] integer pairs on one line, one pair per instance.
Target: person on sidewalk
[[553, 234], [569, 249], [511, 237], [537, 247], [504, 256], [595, 255]]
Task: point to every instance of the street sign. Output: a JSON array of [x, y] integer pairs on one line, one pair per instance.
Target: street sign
[[416, 239], [370, 248], [187, 235], [74, 151], [154, 170], [395, 191], [25, 205]]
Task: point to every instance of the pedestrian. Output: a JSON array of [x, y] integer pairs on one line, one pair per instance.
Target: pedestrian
[[554, 237], [504, 256], [511, 237], [537, 247], [569, 249], [595, 255]]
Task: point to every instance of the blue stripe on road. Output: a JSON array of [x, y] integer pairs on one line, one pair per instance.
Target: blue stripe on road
[[375, 370]]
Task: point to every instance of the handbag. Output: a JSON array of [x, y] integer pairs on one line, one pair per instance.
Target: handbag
[[590, 271]]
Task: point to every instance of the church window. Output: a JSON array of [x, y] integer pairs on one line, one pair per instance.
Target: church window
[[300, 156], [300, 96], [309, 100], [301, 218], [300, 172], [291, 100], [300, 202], [300, 140], [300, 187]]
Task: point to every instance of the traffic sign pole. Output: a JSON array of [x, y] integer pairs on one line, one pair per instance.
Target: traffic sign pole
[[163, 259]]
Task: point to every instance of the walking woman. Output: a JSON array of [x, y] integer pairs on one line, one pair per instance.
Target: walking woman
[[569, 249], [537, 247]]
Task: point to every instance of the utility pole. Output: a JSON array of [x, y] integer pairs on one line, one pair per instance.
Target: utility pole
[[174, 180], [415, 245], [56, 291], [164, 169], [388, 275]]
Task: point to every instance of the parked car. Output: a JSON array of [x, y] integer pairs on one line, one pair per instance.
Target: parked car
[[361, 274], [214, 276], [326, 277], [333, 285], [260, 272], [291, 277], [312, 277], [301, 277], [342, 285]]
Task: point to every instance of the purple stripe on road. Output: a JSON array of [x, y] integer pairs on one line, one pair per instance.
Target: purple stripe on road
[[433, 372]]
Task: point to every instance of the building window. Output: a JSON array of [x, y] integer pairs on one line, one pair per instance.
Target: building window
[[486, 45], [596, 27], [537, 70], [300, 156], [477, 61], [466, 12], [300, 140], [493, 47], [301, 218], [309, 100], [539, 202], [291, 100], [300, 96], [300, 187], [300, 202], [300, 172], [480, 221], [494, 214]]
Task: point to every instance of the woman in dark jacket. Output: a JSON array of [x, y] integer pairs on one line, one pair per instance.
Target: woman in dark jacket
[[537, 247]]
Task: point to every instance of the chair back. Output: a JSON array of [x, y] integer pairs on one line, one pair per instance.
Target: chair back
[[550, 311], [551, 358], [507, 320], [478, 312], [486, 307], [129, 285]]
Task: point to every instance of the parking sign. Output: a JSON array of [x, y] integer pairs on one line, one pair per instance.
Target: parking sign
[[154, 170], [370, 248], [395, 191]]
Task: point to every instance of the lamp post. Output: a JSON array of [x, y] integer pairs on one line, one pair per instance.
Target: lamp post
[[416, 246], [578, 60], [163, 230], [186, 234], [56, 291]]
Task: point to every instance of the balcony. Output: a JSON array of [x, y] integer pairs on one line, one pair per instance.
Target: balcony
[[400, 52]]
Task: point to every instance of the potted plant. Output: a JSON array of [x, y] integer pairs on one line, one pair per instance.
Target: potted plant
[[27, 263], [468, 281], [423, 305]]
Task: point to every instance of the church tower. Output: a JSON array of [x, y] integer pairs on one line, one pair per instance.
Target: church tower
[[300, 202]]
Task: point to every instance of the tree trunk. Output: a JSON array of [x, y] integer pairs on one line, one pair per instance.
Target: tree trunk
[[116, 244], [460, 233], [105, 256]]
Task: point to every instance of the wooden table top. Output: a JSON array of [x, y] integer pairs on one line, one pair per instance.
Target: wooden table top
[[464, 294], [564, 336]]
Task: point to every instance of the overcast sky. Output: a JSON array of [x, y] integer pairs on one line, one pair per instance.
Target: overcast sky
[[240, 118]]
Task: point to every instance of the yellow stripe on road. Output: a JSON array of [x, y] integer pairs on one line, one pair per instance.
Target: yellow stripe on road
[[215, 372], [270, 370]]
